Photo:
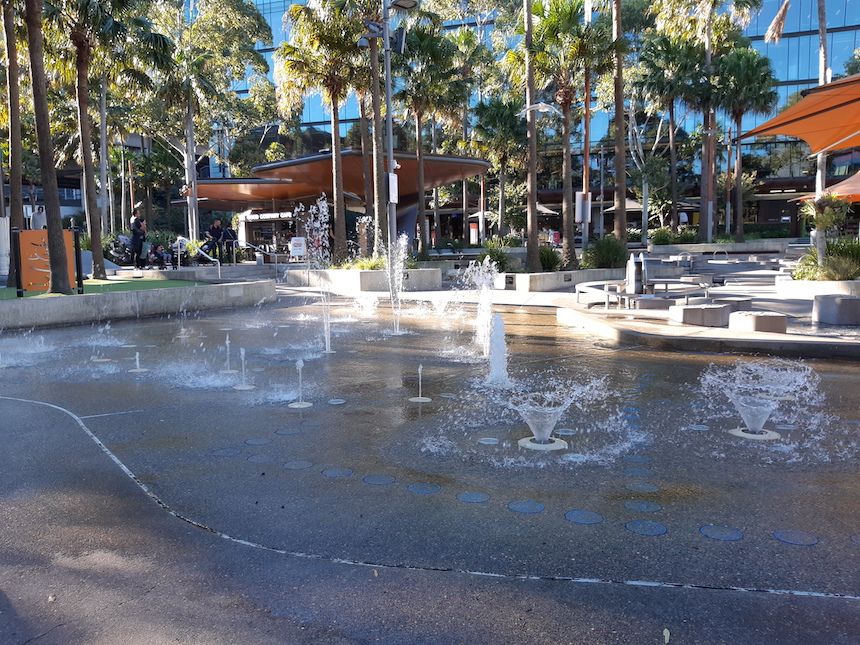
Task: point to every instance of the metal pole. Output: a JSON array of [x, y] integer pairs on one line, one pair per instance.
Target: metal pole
[[389, 124], [79, 270], [15, 244]]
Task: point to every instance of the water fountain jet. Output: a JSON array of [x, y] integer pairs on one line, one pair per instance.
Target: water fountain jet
[[420, 398], [301, 403]]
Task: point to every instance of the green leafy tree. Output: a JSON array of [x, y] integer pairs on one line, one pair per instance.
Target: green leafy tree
[[498, 134], [319, 57], [214, 48], [745, 85], [825, 213], [59, 281], [569, 54], [427, 87], [667, 67]]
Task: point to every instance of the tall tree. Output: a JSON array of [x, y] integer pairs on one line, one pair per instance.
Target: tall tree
[[532, 251], [214, 48], [569, 54], [59, 282], [320, 57], [620, 206], [498, 133], [427, 88], [746, 85], [667, 68], [13, 106]]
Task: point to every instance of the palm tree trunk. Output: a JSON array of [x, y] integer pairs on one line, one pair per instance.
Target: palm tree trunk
[[708, 150], [59, 281], [337, 187], [419, 156], [123, 203], [620, 153], [532, 252], [16, 190], [739, 185], [366, 158], [502, 179], [568, 249], [586, 158], [82, 88], [380, 203], [465, 229], [191, 172], [103, 153], [673, 167]]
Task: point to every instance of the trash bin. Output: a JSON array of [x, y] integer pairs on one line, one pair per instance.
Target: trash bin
[[259, 259]]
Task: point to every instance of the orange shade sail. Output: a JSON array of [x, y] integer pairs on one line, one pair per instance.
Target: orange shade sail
[[827, 117], [848, 189]]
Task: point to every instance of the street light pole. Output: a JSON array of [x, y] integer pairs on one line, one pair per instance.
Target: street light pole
[[391, 165]]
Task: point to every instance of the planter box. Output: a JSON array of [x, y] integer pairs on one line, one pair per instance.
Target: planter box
[[351, 281], [556, 280], [808, 289], [773, 245], [99, 307]]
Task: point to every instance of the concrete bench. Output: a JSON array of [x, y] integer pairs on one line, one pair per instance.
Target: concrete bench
[[836, 309], [762, 321], [654, 302], [701, 315], [736, 303], [608, 290]]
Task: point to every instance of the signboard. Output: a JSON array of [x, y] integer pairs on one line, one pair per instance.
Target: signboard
[[298, 247], [393, 188], [35, 261]]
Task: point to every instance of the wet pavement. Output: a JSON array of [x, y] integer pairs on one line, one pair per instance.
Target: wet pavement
[[167, 505]]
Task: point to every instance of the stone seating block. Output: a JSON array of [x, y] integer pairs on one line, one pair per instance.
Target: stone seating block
[[701, 315], [836, 309], [762, 321], [655, 303], [736, 303], [698, 278]]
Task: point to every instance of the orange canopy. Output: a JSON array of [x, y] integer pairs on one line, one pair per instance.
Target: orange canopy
[[827, 117], [848, 189]]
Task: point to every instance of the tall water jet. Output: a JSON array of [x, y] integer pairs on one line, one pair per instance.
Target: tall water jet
[[300, 403], [498, 372], [243, 385], [482, 277], [420, 398], [326, 316], [227, 369], [397, 254]]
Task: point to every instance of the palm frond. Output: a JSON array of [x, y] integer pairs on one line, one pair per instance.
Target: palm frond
[[774, 31]]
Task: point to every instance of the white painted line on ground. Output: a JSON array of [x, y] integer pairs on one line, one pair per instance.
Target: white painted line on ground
[[406, 567], [107, 414]]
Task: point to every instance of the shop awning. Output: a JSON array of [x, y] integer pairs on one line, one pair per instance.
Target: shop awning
[[827, 117]]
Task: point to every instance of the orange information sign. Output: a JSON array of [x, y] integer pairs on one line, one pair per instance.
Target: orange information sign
[[35, 261]]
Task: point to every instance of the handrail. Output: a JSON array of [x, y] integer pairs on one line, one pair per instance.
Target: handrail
[[714, 254], [211, 259], [273, 254]]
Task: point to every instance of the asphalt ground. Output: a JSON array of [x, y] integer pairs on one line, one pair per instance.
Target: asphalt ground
[[165, 506]]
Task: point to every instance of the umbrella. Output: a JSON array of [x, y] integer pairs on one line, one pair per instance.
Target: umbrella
[[827, 117]]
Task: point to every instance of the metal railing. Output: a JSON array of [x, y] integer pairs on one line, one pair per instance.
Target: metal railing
[[211, 259]]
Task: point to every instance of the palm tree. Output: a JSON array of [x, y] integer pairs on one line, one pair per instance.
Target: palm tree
[[667, 67], [498, 133], [533, 263], [620, 206], [56, 246], [319, 56], [772, 35], [427, 88], [569, 53], [471, 56], [16, 196], [370, 11], [746, 84]]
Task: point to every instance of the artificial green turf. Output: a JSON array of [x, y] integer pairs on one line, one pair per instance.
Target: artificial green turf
[[105, 286]]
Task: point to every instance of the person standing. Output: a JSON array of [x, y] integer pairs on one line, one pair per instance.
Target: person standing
[[138, 235]]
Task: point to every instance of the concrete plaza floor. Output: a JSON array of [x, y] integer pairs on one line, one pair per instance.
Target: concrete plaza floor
[[167, 506]]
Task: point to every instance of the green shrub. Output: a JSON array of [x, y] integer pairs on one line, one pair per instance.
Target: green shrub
[[363, 264], [448, 243], [844, 248], [686, 235], [807, 267], [837, 267], [661, 236], [550, 259], [605, 253], [497, 256]]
